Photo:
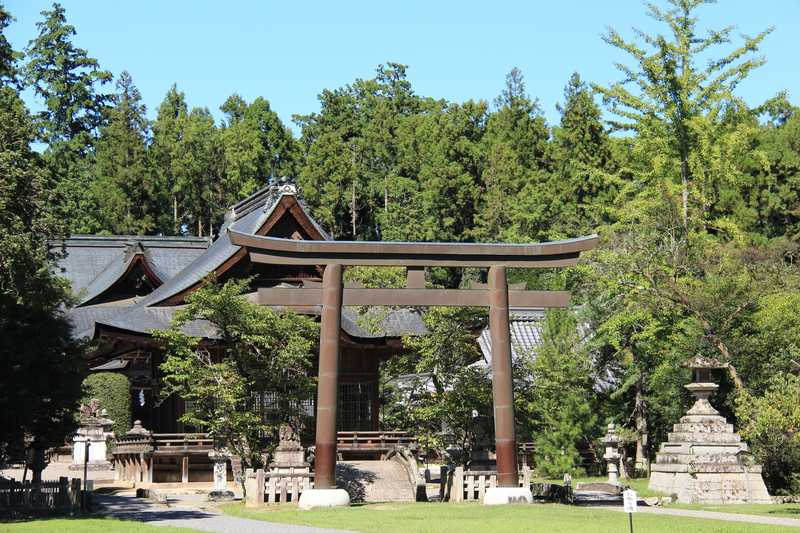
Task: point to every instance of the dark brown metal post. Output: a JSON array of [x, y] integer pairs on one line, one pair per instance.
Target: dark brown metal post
[[502, 385], [327, 387]]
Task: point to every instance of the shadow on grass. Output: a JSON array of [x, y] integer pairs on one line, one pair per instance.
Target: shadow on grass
[[354, 481], [790, 510]]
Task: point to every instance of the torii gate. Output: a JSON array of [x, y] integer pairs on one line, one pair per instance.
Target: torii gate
[[335, 255]]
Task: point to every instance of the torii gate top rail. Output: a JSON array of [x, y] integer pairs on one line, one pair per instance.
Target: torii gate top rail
[[346, 253]]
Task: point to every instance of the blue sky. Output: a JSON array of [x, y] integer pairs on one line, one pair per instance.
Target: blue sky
[[288, 51]]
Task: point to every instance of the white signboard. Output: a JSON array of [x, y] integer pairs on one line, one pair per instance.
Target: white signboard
[[629, 500]]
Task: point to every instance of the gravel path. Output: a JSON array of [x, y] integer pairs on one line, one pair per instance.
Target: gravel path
[[714, 515], [144, 510]]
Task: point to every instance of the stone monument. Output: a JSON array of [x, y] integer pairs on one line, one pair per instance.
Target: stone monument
[[94, 433], [289, 456], [704, 460], [219, 460]]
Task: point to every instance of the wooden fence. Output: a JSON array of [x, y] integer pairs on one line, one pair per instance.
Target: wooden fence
[[62, 496], [272, 487], [470, 485]]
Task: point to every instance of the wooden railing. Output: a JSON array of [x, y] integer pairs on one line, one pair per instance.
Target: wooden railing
[[271, 487], [471, 485], [373, 441], [182, 443], [62, 496]]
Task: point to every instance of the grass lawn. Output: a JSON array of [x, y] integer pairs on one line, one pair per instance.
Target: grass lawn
[[787, 510], [85, 525], [466, 518]]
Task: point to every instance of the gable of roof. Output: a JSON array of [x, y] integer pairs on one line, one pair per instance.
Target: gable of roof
[[95, 264], [258, 215]]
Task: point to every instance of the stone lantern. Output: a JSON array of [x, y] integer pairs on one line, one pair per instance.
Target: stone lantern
[[94, 434], [611, 441], [219, 459], [704, 460]]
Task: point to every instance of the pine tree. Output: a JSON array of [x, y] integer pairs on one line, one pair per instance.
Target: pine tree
[[67, 79], [562, 377], [582, 182], [123, 191]]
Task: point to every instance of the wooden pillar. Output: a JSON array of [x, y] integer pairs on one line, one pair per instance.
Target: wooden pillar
[[328, 380], [502, 385]]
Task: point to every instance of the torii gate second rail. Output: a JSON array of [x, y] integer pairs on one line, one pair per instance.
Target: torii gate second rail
[[334, 255]]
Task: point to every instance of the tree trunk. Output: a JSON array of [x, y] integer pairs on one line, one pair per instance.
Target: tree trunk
[[175, 213], [353, 208], [642, 455], [685, 189]]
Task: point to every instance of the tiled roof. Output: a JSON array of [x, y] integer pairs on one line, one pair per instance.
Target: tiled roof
[[93, 263], [525, 327]]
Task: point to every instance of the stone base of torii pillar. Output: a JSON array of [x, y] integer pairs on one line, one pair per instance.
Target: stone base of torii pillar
[[313, 498], [507, 495]]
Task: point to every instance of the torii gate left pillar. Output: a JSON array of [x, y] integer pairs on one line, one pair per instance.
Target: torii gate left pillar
[[325, 493]]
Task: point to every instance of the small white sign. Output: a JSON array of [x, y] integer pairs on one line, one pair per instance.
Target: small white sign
[[629, 500]]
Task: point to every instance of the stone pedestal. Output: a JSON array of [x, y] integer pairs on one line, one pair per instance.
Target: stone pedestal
[[704, 460], [289, 456], [94, 433], [219, 460]]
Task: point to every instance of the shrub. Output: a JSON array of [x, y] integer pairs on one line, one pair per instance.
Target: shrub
[[114, 394], [770, 423]]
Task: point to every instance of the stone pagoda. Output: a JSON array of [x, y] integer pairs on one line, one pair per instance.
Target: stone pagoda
[[704, 460]]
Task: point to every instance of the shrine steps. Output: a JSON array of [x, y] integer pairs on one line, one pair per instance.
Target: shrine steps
[[375, 481]]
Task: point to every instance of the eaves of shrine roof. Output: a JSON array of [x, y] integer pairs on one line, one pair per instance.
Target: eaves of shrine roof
[[140, 320]]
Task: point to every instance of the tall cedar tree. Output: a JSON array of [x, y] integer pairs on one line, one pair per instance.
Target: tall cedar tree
[[256, 145], [164, 154], [66, 79], [123, 191], [582, 181], [40, 375], [517, 160]]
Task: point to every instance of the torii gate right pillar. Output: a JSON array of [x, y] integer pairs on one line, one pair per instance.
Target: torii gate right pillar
[[508, 489]]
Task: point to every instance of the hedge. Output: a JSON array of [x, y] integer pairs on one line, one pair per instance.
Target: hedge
[[114, 393]]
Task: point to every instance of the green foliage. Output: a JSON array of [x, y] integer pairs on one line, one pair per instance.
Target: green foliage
[[560, 401], [114, 394], [123, 187], [684, 114], [769, 422], [41, 365], [448, 398], [66, 79], [224, 383]]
